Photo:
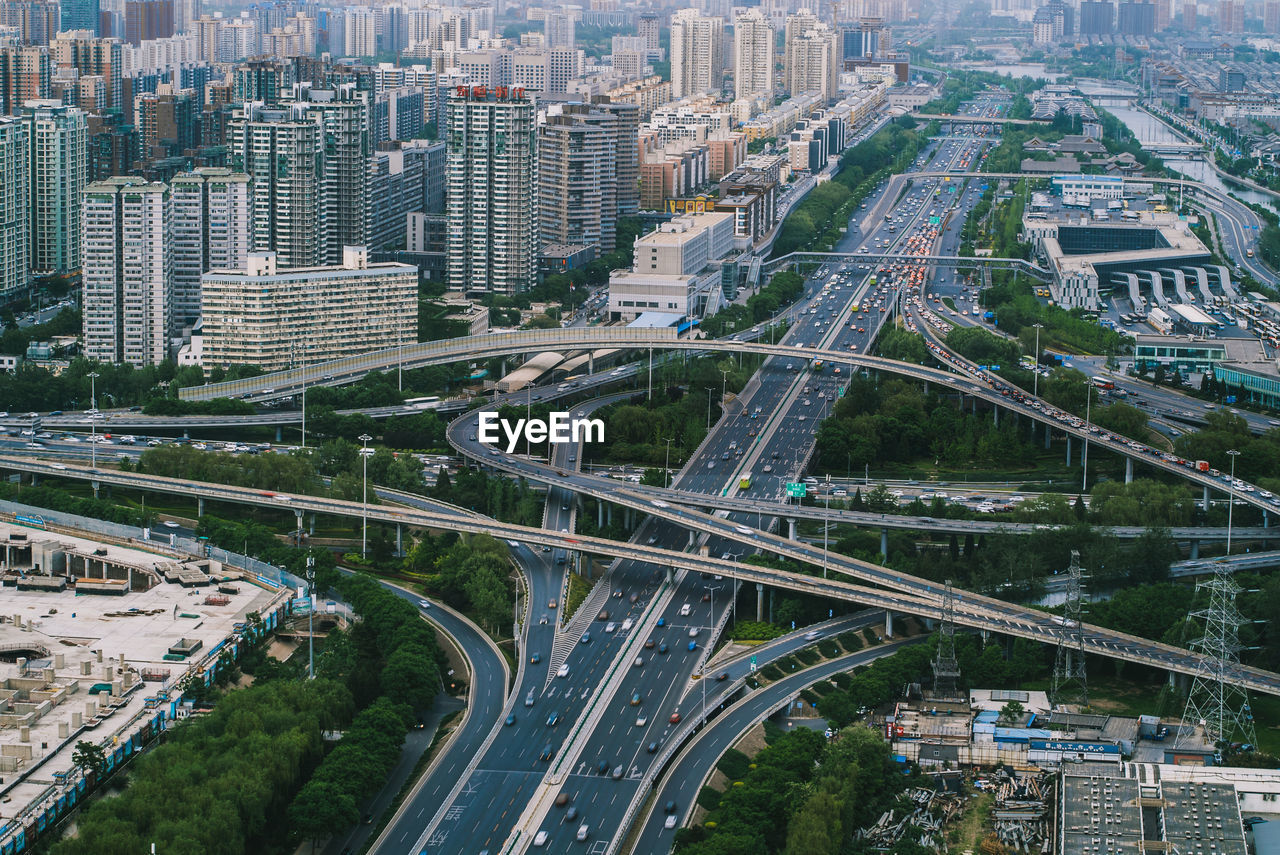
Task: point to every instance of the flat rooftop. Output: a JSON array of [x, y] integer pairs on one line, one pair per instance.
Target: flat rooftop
[[93, 666]]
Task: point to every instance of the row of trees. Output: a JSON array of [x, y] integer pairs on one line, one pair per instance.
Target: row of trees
[[471, 573]]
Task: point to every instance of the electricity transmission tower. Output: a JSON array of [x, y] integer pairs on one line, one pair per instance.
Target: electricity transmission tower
[[1220, 706], [1070, 682], [946, 668]]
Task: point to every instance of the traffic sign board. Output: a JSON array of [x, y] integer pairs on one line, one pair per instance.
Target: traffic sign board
[[933, 221], [795, 491]]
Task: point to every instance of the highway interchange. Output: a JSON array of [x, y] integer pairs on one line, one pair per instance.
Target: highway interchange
[[492, 789]]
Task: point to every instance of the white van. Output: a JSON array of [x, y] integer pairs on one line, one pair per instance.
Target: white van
[[685, 609], [583, 832]]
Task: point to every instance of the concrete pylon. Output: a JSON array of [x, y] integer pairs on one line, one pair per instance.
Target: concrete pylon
[[791, 529], [1128, 470], [888, 623], [884, 542], [759, 602]]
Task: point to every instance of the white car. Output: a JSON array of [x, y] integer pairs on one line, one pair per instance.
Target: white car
[[57, 466], [423, 604], [564, 670], [669, 822]]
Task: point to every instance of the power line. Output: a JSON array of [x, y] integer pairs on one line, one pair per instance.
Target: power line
[[1070, 680]]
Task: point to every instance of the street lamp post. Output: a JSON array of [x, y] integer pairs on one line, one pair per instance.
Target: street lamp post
[[709, 391], [711, 624], [1087, 403], [311, 637], [1231, 496], [1035, 371], [93, 421], [364, 514], [666, 482], [724, 384]]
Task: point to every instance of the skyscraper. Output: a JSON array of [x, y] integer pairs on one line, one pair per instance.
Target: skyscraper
[[212, 229], [697, 53], [128, 271], [812, 56], [752, 56], [1097, 17], [1136, 19], [1271, 17], [15, 205], [1231, 16], [492, 179], [59, 169], [146, 20], [283, 151]]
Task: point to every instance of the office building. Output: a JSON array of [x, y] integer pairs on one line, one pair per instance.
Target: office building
[[15, 206], [697, 54], [128, 271], [59, 170], [676, 269], [811, 61], [269, 318], [1136, 19], [492, 180], [753, 57], [283, 152], [212, 229], [867, 39], [25, 75], [1097, 17]]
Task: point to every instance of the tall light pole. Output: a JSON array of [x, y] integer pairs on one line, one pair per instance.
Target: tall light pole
[[666, 482], [826, 525], [311, 637], [1088, 393], [364, 514], [93, 421], [709, 391], [724, 384], [1035, 372], [711, 624], [1231, 496]]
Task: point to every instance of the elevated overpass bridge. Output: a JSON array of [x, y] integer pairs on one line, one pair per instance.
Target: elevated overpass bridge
[[982, 387], [901, 593]]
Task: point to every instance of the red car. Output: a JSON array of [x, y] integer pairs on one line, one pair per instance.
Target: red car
[[675, 718]]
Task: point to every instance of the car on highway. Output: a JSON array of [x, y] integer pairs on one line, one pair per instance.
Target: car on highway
[[553, 719], [170, 524], [535, 659], [586, 638], [528, 699], [662, 648], [675, 717], [642, 720], [423, 604], [670, 822], [564, 670], [511, 720]]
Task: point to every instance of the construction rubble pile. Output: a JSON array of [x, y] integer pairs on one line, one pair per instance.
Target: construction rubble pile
[[1021, 815], [931, 812]]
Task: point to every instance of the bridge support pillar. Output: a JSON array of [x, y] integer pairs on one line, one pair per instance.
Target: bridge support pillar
[[1266, 519], [629, 519], [95, 489], [609, 514], [1048, 435], [399, 535], [1068, 449], [279, 436], [311, 527], [884, 542], [1204, 503], [1128, 470], [791, 529], [1195, 549], [691, 537], [975, 405], [200, 507], [298, 538], [671, 574], [591, 362], [995, 416], [888, 623], [759, 602], [599, 514]]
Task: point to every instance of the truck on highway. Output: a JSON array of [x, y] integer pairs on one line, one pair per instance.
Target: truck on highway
[[1202, 465]]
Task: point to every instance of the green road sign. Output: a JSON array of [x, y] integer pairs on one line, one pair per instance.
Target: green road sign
[[933, 221], [795, 491]]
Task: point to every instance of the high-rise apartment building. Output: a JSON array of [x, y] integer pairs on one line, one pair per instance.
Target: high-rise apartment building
[[25, 75], [1231, 16], [146, 20], [35, 22], [128, 271], [91, 57], [577, 178], [282, 150], [752, 57], [59, 170], [1136, 19], [558, 28], [649, 28], [361, 32], [167, 121], [343, 114], [492, 179], [1271, 17], [270, 318], [1097, 17], [1190, 20], [812, 57], [212, 229], [697, 53], [15, 206]]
